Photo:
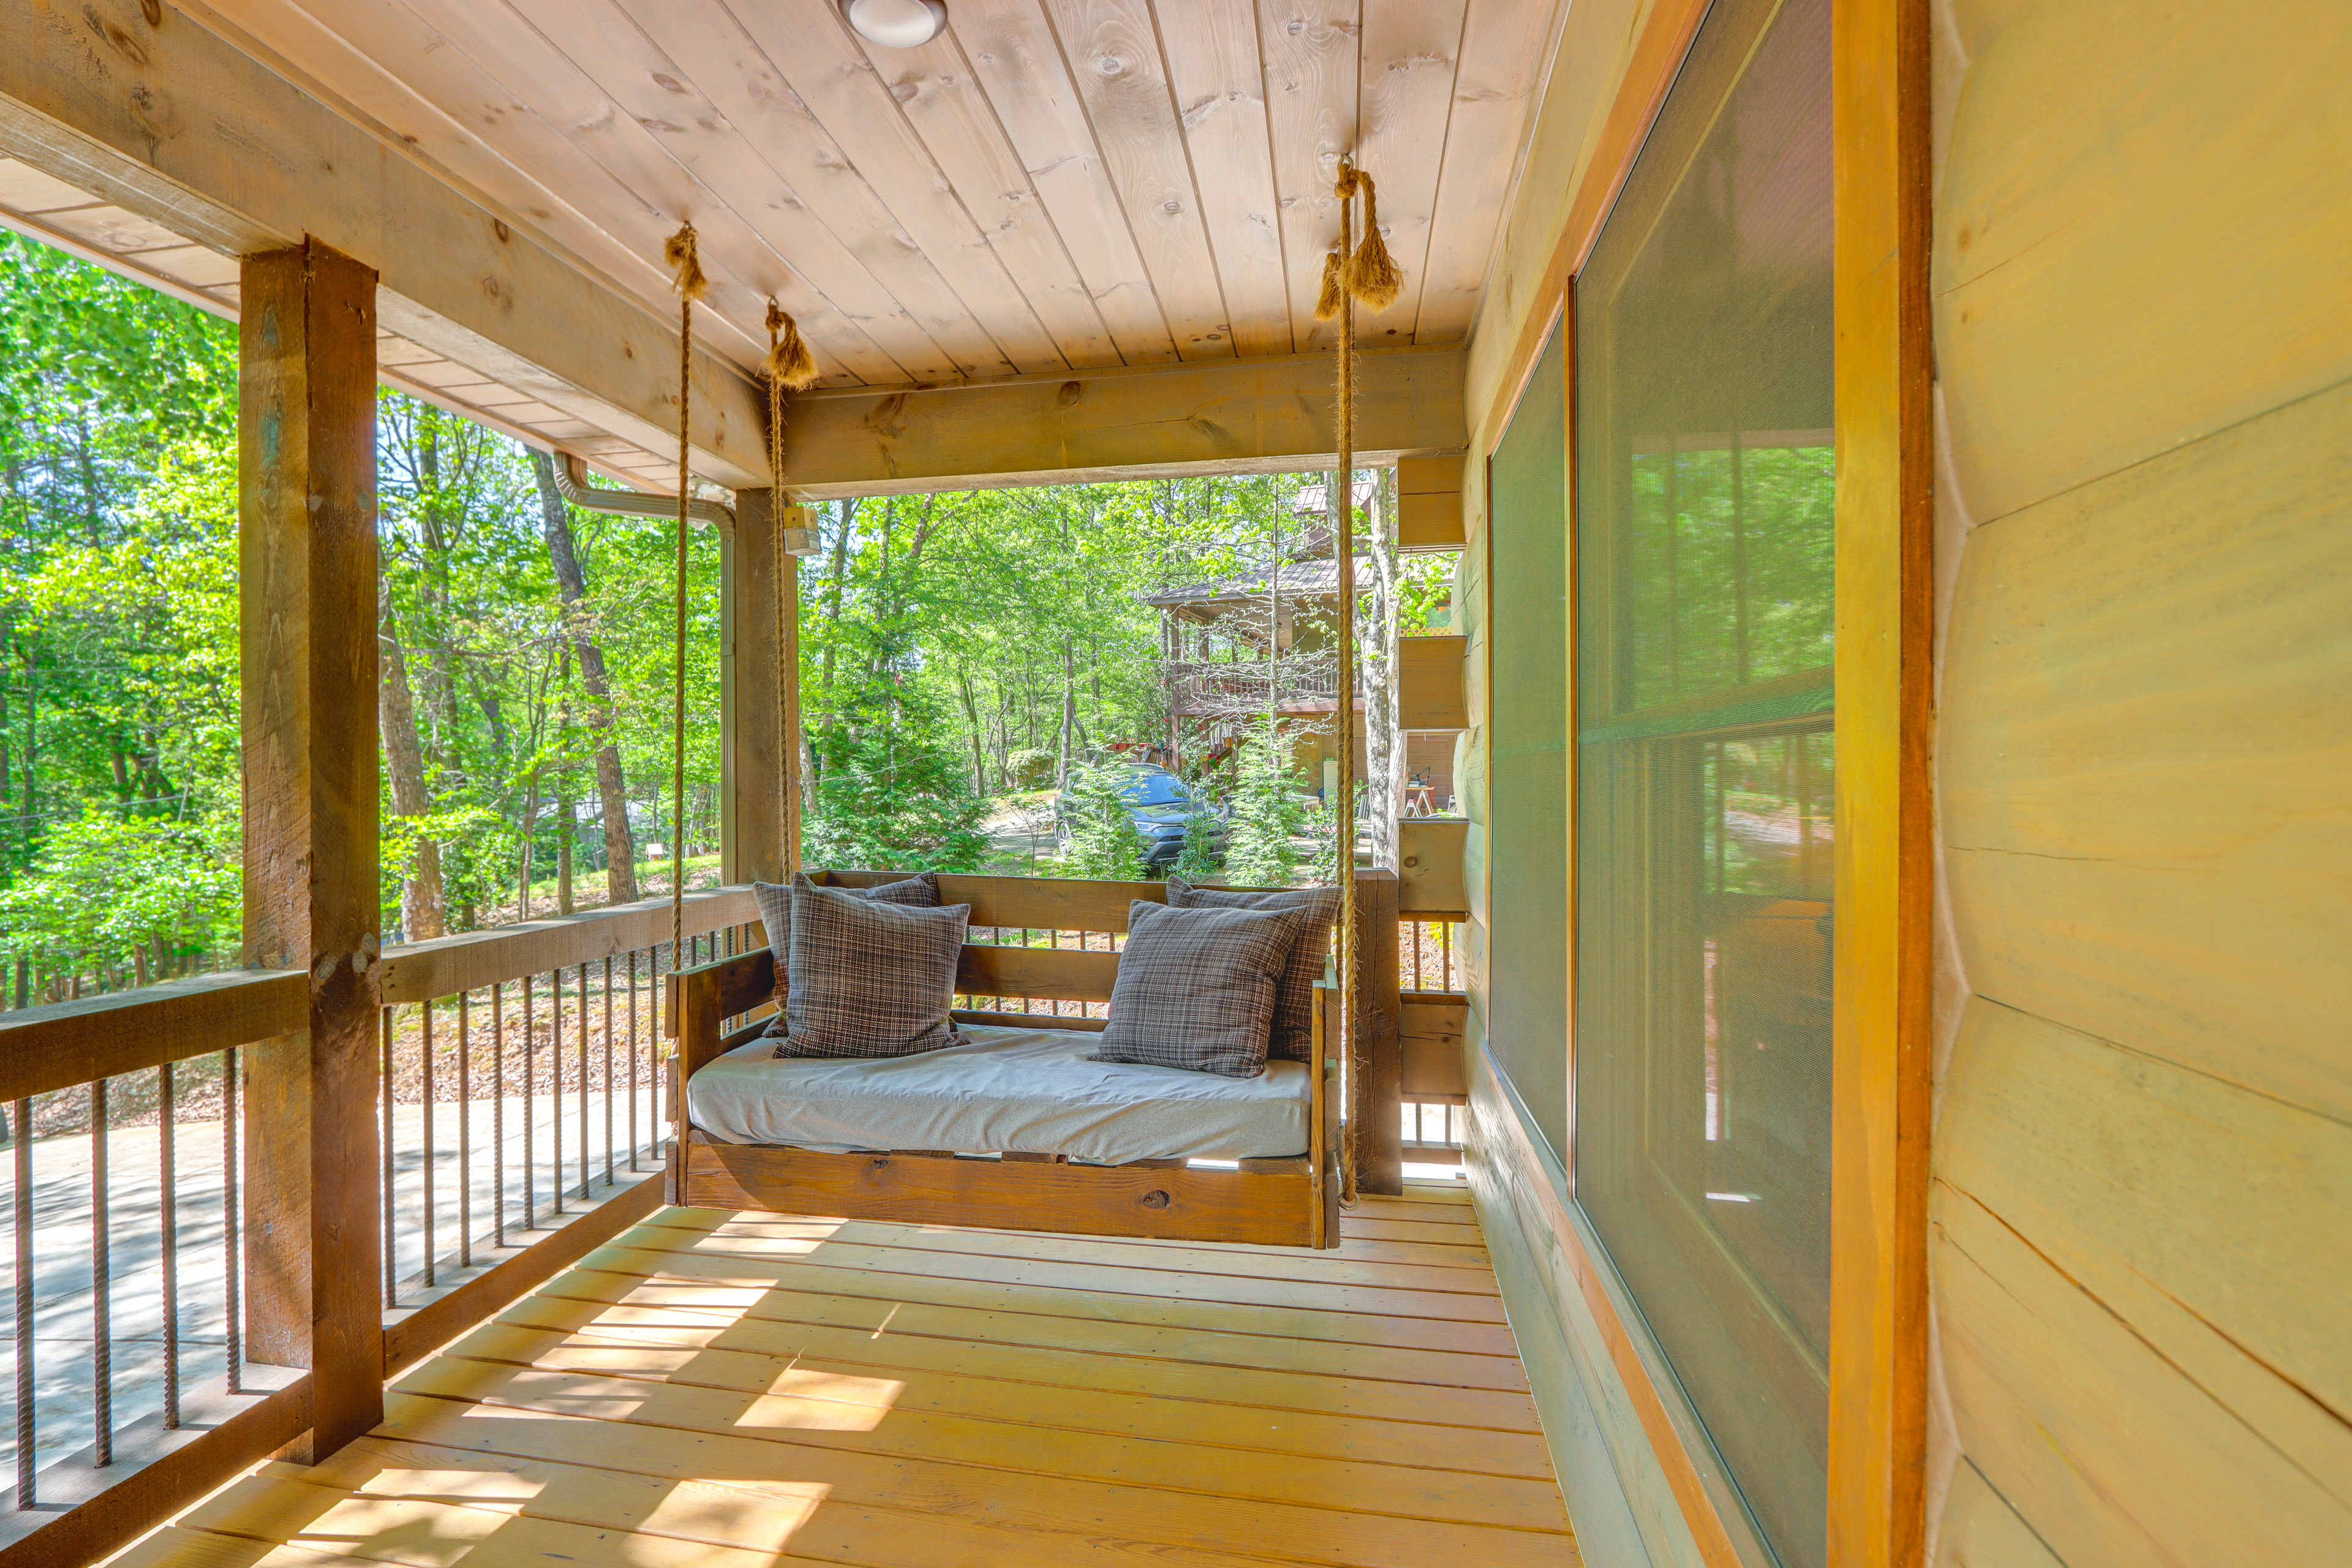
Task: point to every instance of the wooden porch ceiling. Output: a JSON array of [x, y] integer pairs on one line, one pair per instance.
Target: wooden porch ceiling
[[1050, 185], [1054, 191]]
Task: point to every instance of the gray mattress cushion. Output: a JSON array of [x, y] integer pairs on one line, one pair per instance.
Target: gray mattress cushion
[[867, 978], [1029, 1091], [1195, 987], [1294, 994]]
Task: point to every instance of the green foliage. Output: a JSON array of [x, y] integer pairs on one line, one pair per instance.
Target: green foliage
[[1266, 812], [1203, 855], [1026, 769], [1103, 840], [894, 803], [108, 883]]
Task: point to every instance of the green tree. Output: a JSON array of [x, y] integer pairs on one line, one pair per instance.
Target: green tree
[[1267, 814], [1103, 839]]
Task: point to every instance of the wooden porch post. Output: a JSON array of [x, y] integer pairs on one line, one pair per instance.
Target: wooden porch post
[[1375, 1008], [762, 750], [307, 560]]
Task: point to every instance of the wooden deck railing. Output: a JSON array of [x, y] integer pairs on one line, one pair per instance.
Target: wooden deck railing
[[514, 1137], [517, 1128]]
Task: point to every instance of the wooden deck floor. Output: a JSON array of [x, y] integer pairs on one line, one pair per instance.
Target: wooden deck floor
[[725, 1392]]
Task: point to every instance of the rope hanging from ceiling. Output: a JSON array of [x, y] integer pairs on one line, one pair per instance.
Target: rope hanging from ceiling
[[691, 285], [1351, 272]]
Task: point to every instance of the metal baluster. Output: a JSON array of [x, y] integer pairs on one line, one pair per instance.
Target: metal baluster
[[465, 1137], [26, 1422], [424, 1056], [390, 1232], [233, 1310], [102, 1286], [608, 1072], [555, 1093], [632, 1059], [166, 1112], [583, 1083], [498, 1111], [530, 1092]]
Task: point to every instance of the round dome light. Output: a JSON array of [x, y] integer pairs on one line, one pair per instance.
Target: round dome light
[[896, 24]]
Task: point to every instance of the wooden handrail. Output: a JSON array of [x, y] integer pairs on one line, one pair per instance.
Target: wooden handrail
[[423, 971], [44, 1049]]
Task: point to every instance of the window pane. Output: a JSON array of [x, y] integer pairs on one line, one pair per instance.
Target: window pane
[[1706, 747], [1526, 1001]]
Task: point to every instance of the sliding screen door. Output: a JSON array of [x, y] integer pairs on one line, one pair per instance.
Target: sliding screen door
[[1527, 1000], [1707, 746]]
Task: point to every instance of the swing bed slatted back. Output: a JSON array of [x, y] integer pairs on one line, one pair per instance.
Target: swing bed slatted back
[[1292, 1201]]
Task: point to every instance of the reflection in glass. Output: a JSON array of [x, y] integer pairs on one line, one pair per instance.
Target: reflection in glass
[[1706, 747]]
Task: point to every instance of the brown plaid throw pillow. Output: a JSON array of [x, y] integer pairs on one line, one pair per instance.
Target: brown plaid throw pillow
[[920, 891], [1293, 995], [868, 978], [1195, 987]]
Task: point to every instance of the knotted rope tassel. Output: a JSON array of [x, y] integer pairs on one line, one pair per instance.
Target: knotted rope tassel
[[691, 285]]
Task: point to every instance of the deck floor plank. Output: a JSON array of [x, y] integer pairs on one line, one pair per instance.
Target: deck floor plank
[[628, 1300], [732, 1390], [676, 1339]]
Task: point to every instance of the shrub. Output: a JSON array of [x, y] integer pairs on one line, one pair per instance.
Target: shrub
[[1103, 839], [1026, 770], [1266, 812], [896, 803]]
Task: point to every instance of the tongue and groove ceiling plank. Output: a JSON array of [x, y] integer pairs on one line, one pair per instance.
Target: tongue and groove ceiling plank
[[1051, 184], [1052, 188]]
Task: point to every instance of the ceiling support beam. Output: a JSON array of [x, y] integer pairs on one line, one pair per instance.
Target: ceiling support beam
[[175, 123], [1261, 416]]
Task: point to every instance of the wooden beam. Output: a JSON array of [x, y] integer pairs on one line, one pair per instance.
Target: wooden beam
[[1259, 416], [757, 750], [1270, 1208], [173, 122], [44, 1049], [1430, 853], [307, 579], [1881, 1070], [1433, 683], [1374, 1011], [422, 971], [1428, 505]]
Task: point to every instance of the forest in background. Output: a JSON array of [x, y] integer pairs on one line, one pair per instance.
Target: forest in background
[[955, 649]]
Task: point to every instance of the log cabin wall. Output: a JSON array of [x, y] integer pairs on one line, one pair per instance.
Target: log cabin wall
[[2144, 408], [2145, 1112]]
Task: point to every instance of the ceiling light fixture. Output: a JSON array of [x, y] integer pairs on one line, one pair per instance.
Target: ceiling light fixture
[[896, 24]]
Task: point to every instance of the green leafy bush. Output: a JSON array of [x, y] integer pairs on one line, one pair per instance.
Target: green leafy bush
[[1103, 839], [1266, 812], [1027, 770], [895, 804]]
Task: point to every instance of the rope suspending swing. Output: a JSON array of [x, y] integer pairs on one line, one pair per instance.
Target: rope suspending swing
[[1350, 273], [691, 285]]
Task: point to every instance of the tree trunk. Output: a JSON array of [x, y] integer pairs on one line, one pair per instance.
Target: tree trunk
[[529, 825], [420, 895], [566, 828], [1383, 742], [972, 717], [1069, 716], [620, 845]]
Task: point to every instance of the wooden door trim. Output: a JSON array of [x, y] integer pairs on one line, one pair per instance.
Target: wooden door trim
[[1881, 1056]]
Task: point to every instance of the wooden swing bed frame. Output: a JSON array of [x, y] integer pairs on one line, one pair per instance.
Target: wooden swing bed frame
[[1292, 1201]]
